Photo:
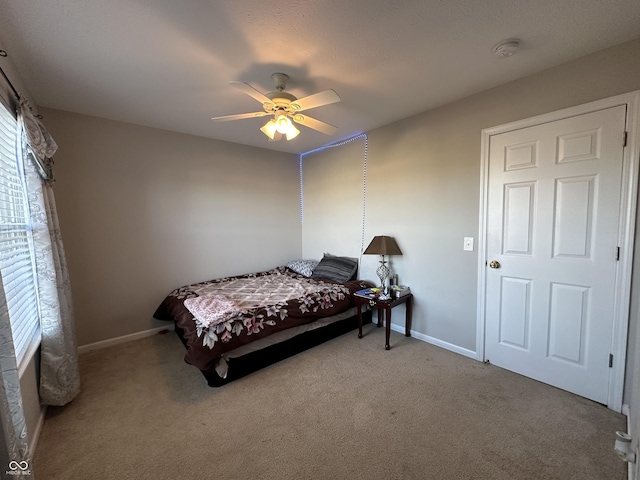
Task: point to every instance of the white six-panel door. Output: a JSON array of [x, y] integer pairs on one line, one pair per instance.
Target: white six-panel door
[[554, 198]]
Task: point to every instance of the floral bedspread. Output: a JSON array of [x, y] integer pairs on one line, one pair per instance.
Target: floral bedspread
[[266, 302]]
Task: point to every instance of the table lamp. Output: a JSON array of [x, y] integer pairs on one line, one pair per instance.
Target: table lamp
[[383, 245]]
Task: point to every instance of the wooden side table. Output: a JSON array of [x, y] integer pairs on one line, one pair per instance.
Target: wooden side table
[[385, 306]]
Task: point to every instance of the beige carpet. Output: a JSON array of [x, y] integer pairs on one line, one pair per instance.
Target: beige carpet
[[347, 409]]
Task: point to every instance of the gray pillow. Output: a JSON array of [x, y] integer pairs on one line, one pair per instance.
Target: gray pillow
[[338, 269]]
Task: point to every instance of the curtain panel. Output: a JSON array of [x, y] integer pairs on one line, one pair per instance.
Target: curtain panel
[[12, 420], [59, 373], [41, 144]]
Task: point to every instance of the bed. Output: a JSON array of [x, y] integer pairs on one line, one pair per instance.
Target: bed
[[236, 325]]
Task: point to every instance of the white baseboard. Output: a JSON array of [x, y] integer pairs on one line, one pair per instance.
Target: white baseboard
[[434, 341], [35, 435], [123, 339]]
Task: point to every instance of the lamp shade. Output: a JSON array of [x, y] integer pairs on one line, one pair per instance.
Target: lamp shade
[[383, 245]]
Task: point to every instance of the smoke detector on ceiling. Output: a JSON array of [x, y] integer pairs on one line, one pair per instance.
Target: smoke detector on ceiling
[[506, 48]]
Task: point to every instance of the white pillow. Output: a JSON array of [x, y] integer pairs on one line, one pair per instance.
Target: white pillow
[[303, 267]]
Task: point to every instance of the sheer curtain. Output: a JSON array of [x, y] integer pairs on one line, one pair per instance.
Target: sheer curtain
[[59, 374]]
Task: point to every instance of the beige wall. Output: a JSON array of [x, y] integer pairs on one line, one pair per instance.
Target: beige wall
[[423, 185], [143, 211], [332, 192]]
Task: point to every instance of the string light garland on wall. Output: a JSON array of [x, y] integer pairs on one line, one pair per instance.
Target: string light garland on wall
[[301, 189], [364, 177]]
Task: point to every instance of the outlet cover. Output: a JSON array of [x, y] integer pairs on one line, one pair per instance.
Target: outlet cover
[[468, 244]]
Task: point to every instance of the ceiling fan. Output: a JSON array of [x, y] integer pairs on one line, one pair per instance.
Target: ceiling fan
[[285, 107]]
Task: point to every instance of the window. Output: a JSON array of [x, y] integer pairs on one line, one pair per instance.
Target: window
[[17, 261]]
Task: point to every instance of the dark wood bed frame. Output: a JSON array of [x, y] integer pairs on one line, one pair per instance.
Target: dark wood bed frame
[[254, 361]]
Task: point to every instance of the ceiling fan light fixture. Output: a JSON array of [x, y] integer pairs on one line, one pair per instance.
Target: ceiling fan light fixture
[[283, 123], [284, 126], [292, 132], [276, 127], [270, 129]]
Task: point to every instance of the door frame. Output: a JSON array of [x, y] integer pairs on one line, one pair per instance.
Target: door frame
[[626, 230]]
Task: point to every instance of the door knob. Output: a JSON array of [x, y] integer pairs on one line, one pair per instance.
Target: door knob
[[494, 264]]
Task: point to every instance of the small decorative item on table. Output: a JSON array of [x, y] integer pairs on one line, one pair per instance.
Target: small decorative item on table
[[398, 291], [370, 293]]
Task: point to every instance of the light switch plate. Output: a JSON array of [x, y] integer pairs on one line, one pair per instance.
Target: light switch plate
[[468, 244]]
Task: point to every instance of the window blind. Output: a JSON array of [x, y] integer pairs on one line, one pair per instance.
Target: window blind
[[16, 245]]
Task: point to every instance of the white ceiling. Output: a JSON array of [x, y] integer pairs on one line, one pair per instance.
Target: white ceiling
[[167, 64]]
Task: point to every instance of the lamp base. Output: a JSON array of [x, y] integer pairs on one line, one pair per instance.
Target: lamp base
[[383, 273]]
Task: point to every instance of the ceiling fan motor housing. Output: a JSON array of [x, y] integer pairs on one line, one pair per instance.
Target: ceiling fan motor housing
[[281, 97], [280, 80]]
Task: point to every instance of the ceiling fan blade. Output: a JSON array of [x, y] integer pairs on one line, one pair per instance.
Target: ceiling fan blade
[[316, 100], [239, 116], [315, 124], [252, 92]]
